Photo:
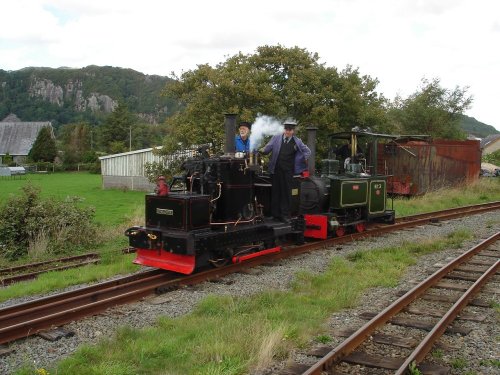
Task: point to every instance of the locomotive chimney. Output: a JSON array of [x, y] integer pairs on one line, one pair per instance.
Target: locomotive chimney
[[230, 126], [311, 143]]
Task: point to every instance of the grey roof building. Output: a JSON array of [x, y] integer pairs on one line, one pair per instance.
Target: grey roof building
[[17, 137], [490, 144]]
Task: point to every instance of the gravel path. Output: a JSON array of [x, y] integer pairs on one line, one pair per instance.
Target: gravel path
[[482, 345]]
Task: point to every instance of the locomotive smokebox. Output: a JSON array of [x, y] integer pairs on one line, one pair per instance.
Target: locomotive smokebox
[[230, 125], [311, 143]]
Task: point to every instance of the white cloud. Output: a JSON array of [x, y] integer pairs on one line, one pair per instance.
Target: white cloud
[[398, 42]]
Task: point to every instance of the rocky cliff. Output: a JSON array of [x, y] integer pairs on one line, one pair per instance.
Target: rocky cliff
[[72, 92], [69, 95]]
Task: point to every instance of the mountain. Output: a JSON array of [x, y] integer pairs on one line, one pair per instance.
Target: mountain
[[479, 129], [67, 95]]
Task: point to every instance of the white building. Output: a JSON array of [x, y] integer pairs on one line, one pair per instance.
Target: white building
[[126, 170]]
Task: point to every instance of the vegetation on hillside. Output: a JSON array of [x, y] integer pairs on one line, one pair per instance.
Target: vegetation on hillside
[[139, 92], [479, 129]]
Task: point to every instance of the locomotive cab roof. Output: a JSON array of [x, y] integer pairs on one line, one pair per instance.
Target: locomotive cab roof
[[361, 134]]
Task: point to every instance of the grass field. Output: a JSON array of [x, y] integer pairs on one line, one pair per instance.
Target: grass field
[[113, 207]]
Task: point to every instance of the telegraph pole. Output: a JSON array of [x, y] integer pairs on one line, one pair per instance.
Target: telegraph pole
[[130, 138]]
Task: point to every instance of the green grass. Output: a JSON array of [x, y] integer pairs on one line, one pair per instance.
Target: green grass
[[210, 340], [458, 363], [113, 263], [115, 211], [113, 206], [485, 190], [490, 362]]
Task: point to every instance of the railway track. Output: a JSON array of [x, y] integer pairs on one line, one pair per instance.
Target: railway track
[[466, 274], [31, 271], [30, 318]]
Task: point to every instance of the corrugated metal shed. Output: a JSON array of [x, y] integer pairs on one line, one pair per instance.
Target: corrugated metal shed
[[126, 170], [128, 164], [418, 167]]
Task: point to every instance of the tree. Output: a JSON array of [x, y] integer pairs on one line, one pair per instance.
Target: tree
[[7, 159], [277, 81], [431, 110], [75, 141], [44, 148], [117, 128]]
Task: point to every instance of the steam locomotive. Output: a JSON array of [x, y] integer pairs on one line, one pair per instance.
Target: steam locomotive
[[218, 210]]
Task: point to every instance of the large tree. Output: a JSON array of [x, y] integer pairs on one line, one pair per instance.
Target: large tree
[[75, 141], [276, 81], [116, 130], [431, 110], [44, 148], [123, 130]]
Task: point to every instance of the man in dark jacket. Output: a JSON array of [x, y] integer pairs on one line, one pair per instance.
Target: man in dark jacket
[[289, 157]]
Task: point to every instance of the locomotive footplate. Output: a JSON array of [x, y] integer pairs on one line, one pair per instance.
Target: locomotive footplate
[[184, 252], [184, 264]]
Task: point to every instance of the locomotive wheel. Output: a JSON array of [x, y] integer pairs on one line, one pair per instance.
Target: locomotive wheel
[[360, 227], [340, 231]]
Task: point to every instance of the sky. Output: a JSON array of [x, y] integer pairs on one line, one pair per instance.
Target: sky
[[398, 42]]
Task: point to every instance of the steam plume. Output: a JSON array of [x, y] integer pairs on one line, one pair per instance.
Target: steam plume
[[263, 125]]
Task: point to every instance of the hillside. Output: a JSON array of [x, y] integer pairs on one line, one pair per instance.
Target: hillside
[[479, 129], [66, 95]]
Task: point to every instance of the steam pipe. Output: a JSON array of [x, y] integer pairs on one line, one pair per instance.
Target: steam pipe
[[311, 143], [230, 126]]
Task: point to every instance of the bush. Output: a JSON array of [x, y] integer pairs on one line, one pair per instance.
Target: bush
[[95, 168], [493, 158], [27, 220]]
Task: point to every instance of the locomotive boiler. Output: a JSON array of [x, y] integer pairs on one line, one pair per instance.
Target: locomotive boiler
[[218, 210]]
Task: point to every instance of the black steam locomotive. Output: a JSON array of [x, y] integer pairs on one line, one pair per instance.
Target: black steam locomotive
[[221, 211]]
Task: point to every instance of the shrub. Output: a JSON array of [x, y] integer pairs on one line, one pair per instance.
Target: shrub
[[493, 158], [26, 221]]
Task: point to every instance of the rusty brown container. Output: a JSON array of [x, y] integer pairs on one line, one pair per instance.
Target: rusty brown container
[[420, 166]]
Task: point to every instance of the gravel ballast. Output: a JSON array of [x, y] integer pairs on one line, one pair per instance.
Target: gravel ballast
[[476, 349]]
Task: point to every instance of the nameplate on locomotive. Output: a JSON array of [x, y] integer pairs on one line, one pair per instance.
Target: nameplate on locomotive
[[164, 211]]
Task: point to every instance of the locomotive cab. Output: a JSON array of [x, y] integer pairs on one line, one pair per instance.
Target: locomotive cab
[[349, 191]]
